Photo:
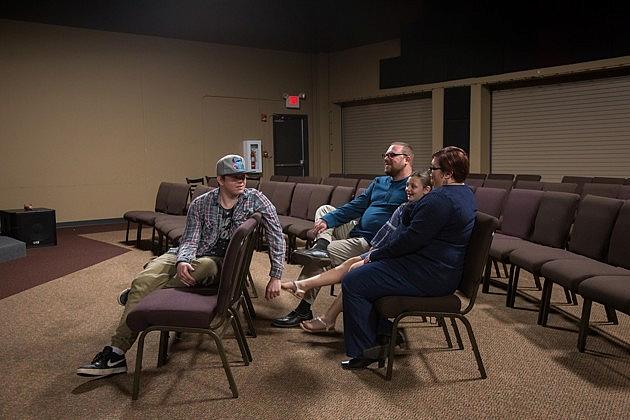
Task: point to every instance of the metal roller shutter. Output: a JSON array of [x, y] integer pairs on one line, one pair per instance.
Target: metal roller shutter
[[576, 128], [368, 130]]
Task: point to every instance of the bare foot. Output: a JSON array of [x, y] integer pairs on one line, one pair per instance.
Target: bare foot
[[317, 325]]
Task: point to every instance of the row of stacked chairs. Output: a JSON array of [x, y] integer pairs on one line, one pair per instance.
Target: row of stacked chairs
[[580, 242]]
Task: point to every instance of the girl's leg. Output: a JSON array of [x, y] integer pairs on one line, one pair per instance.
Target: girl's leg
[[332, 276]]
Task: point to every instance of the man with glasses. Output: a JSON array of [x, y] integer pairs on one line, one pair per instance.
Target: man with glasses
[[346, 232], [211, 221]]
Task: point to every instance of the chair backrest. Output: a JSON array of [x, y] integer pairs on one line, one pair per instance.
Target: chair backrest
[[211, 181], [477, 256], [490, 200], [233, 264], [177, 200], [195, 181], [252, 183], [505, 177], [592, 227], [474, 182], [307, 198], [522, 184], [364, 183], [341, 195], [200, 190], [527, 177], [624, 192], [305, 179], [506, 184], [279, 193], [340, 182], [161, 199], [619, 247], [608, 180], [519, 212], [336, 175], [567, 187], [554, 218], [579, 180], [476, 176], [279, 178], [359, 191], [601, 190]]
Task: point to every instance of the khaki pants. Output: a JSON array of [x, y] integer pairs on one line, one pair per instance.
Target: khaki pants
[[157, 274], [341, 248]]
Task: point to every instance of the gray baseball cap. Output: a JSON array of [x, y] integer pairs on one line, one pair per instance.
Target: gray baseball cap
[[231, 165]]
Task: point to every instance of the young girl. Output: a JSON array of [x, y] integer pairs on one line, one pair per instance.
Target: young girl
[[418, 185]]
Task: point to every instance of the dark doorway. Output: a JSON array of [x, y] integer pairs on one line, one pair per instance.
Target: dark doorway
[[290, 145]]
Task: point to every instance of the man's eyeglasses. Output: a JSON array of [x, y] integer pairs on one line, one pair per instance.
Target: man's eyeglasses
[[392, 155]]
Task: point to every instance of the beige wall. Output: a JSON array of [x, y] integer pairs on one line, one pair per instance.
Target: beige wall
[[92, 121]]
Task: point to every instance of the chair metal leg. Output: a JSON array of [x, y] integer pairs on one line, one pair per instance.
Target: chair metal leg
[[473, 342], [239, 337], [586, 316], [460, 343], [574, 297], [250, 281], [163, 348], [226, 365], [127, 233], [248, 311], [512, 285], [136, 373], [567, 295], [496, 268], [447, 336], [505, 270], [537, 282], [611, 314], [486, 277], [545, 303], [390, 352], [138, 235]]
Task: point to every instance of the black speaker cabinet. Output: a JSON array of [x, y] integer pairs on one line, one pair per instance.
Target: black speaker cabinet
[[37, 227]]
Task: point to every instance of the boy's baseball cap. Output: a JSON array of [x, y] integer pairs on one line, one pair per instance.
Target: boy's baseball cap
[[231, 165]]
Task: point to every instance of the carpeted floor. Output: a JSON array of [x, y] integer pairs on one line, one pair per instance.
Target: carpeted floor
[[40, 265], [533, 372]]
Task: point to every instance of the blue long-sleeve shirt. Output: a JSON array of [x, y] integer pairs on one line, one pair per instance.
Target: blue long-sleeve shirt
[[373, 207], [429, 246]]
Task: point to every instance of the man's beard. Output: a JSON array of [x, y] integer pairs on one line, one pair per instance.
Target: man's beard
[[393, 172]]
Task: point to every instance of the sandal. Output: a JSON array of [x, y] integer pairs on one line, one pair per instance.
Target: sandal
[[292, 287], [317, 325]]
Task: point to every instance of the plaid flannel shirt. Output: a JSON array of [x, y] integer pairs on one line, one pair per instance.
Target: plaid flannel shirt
[[201, 233]]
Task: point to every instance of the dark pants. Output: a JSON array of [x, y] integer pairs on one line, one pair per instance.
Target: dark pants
[[361, 287]]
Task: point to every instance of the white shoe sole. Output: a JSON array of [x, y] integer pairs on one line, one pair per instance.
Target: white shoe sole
[[101, 372]]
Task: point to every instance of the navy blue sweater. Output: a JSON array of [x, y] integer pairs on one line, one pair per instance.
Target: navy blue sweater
[[373, 207], [429, 246]]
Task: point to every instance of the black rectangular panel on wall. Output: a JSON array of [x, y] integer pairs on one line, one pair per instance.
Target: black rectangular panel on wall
[[457, 117]]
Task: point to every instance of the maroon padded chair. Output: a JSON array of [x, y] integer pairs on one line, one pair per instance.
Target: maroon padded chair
[[624, 192], [190, 310], [341, 195], [490, 200], [305, 179], [608, 180], [523, 184], [579, 180], [505, 184], [364, 183], [527, 177], [279, 193], [474, 182], [567, 187], [603, 242], [279, 178], [551, 229], [601, 190], [341, 182], [517, 223], [400, 307]]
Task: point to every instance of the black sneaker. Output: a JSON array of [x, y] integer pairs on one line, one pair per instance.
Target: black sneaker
[[104, 363], [123, 296]]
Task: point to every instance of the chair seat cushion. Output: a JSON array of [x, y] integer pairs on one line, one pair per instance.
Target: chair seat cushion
[[174, 235], [286, 221], [141, 216], [609, 290], [533, 256], [166, 223], [299, 228], [503, 245], [392, 306], [173, 307], [570, 273]]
